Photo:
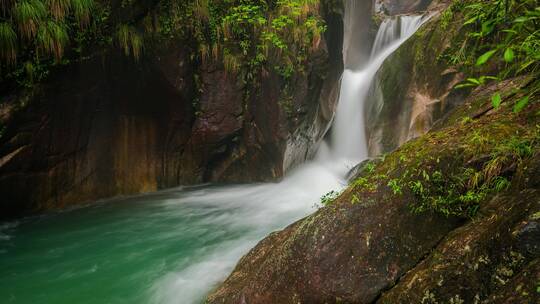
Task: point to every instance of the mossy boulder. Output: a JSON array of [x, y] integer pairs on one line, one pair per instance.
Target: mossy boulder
[[449, 217], [374, 243]]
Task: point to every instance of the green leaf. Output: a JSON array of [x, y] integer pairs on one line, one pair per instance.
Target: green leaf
[[472, 20], [464, 85], [525, 65], [522, 103], [508, 55], [484, 58], [487, 27], [496, 100], [474, 80]]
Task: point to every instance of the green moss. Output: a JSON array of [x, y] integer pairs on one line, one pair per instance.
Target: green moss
[[453, 170]]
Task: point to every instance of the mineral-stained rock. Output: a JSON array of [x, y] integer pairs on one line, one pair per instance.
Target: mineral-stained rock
[[109, 125]]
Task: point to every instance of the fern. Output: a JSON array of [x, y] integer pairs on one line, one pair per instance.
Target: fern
[[59, 8], [130, 41]]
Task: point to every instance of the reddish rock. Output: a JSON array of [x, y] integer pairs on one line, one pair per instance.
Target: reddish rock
[[109, 125], [342, 254]]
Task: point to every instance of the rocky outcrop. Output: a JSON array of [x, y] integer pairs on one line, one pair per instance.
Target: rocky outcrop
[[396, 7], [358, 35], [109, 125], [413, 88], [493, 259], [392, 235], [368, 247]]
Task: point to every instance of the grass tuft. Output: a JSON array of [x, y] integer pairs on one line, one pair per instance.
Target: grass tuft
[[29, 14], [130, 41], [8, 43]]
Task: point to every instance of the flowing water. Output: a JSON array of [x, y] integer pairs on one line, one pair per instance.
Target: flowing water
[[174, 246]]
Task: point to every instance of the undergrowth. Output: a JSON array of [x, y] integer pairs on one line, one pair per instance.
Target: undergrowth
[[452, 181], [501, 40], [247, 38]]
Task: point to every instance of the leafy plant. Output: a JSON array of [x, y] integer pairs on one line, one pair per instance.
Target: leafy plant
[[35, 35], [395, 186], [496, 100], [475, 82], [130, 40], [329, 197], [8, 43], [504, 33]]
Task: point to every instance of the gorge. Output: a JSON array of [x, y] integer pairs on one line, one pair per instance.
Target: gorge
[[364, 175]]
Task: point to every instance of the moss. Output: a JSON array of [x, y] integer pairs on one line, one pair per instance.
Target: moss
[[453, 170]]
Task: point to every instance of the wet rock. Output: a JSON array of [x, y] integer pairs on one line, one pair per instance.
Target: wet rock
[[477, 260], [396, 7], [344, 254], [110, 126], [361, 168]]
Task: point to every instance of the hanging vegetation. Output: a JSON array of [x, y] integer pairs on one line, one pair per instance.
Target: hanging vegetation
[[245, 36], [40, 27]]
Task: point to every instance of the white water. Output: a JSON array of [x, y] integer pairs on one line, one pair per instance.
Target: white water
[[182, 242], [255, 209], [348, 132]]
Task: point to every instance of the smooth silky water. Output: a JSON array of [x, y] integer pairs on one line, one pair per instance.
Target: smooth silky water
[[174, 246]]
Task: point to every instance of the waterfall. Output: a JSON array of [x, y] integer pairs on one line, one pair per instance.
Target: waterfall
[[185, 241], [271, 205], [264, 208], [348, 142], [395, 29]]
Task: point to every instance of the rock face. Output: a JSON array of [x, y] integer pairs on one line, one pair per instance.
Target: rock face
[[109, 125], [358, 35], [491, 260], [411, 91], [369, 247], [395, 7]]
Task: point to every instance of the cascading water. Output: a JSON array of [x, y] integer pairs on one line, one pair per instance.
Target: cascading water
[[174, 246], [348, 132]]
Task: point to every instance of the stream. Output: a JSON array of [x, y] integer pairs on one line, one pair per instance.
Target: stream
[[174, 246]]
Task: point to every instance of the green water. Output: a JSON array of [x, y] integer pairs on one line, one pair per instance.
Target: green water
[[168, 247]]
